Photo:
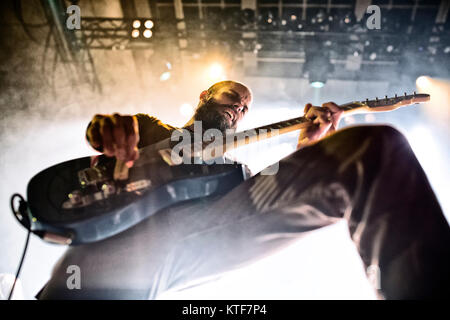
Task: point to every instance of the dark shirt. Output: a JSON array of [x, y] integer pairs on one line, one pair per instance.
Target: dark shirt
[[152, 130]]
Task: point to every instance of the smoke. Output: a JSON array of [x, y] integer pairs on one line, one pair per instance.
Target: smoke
[[44, 115]]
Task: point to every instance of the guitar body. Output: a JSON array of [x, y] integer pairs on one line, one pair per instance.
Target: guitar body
[[74, 203]]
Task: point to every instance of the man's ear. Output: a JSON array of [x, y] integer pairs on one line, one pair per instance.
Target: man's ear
[[204, 95]]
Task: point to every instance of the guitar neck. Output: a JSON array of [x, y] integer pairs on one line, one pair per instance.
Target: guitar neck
[[236, 140], [271, 130]]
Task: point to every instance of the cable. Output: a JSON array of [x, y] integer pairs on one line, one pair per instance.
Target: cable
[[23, 220], [20, 265]]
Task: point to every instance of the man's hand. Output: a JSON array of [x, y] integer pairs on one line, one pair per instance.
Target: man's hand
[[115, 136], [324, 121]]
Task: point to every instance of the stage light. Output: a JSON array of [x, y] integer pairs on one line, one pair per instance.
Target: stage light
[[216, 72], [390, 48], [283, 22], [186, 110], [373, 56], [136, 24], [148, 33], [422, 81], [320, 16], [149, 24], [135, 33], [293, 17], [165, 76], [269, 20], [447, 50], [317, 84], [318, 67]]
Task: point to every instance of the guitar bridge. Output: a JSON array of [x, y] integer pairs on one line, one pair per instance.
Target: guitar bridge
[[90, 176]]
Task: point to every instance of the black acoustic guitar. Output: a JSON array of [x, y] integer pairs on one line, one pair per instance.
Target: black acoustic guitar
[[75, 202]]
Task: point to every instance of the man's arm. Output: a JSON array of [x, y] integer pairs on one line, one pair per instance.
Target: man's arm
[[120, 136]]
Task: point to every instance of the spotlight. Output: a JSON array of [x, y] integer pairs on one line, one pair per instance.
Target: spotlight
[[317, 84], [293, 17], [136, 24], [373, 56], [135, 33], [318, 68], [216, 72], [390, 48], [283, 22], [147, 33], [447, 50], [165, 76], [269, 20], [320, 16], [422, 81], [149, 24], [318, 76]]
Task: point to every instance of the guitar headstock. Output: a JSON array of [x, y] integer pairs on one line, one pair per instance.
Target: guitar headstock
[[397, 101], [386, 104]]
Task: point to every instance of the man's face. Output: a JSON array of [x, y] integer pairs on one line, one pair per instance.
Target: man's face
[[225, 108]]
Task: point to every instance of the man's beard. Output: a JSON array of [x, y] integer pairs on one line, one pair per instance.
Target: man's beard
[[208, 113]]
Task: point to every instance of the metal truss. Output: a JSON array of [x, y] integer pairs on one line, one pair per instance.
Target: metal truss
[[115, 34], [76, 58]]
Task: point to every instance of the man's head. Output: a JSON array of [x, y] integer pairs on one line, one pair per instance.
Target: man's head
[[223, 105]]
